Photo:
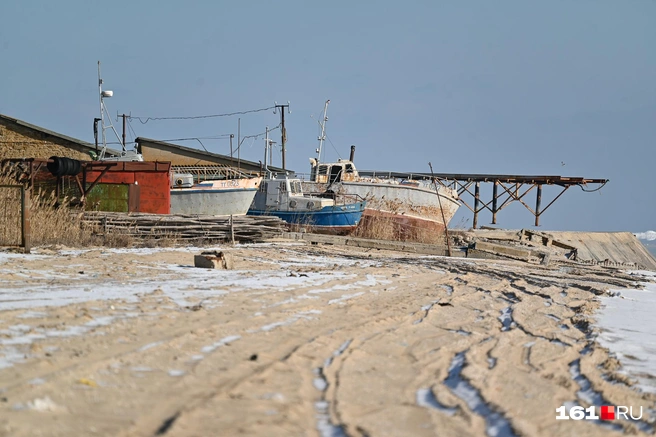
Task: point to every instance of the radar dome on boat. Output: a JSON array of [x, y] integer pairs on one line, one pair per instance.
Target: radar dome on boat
[[107, 93]]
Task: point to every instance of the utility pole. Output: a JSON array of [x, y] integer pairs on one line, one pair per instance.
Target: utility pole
[[239, 143], [283, 131], [124, 117], [95, 133]]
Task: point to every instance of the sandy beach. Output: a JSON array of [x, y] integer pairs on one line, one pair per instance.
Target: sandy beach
[[304, 340]]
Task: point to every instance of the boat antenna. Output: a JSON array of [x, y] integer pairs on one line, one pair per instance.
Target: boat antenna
[[268, 143], [322, 137], [103, 110]]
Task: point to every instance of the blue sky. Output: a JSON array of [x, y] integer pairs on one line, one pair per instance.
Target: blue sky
[[504, 87]]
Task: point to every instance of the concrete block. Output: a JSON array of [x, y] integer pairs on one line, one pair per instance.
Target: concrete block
[[215, 260], [499, 249]]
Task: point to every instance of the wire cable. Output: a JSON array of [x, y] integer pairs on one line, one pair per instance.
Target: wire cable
[[255, 136], [214, 137], [596, 189], [131, 129], [145, 120]]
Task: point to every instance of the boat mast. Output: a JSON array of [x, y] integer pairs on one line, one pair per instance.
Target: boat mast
[[268, 144], [266, 150], [322, 137]]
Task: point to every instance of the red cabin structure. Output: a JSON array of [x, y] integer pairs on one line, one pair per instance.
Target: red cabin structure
[[127, 186]]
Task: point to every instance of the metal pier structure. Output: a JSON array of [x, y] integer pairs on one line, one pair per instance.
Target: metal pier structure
[[506, 189]]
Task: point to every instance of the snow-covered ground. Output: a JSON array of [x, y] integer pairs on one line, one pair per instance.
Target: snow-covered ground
[[184, 284], [628, 329]]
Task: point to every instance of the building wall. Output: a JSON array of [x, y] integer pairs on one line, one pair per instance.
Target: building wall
[[20, 142]]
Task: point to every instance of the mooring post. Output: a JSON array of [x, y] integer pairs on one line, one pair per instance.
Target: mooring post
[[439, 202], [477, 197], [232, 230], [538, 200], [494, 202], [25, 220]]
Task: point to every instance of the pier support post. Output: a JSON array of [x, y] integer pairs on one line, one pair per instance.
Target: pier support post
[[494, 202], [538, 200], [477, 198]]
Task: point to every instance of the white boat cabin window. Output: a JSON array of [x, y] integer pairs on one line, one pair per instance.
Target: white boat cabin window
[[296, 187], [335, 173]]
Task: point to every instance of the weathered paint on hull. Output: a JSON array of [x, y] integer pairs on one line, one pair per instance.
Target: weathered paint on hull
[[406, 204], [335, 220], [404, 228], [215, 197]]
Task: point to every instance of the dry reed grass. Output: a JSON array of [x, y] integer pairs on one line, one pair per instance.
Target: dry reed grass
[[59, 222], [50, 221], [10, 216], [386, 228]]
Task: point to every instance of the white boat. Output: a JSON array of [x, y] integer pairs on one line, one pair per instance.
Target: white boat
[[212, 197], [413, 206]]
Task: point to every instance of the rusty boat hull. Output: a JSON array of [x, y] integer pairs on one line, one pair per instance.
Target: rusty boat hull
[[412, 209]]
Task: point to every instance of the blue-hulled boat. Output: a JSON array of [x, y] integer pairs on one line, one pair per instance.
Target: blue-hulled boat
[[284, 198]]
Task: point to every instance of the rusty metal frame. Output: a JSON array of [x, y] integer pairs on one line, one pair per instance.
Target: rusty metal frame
[[34, 165], [84, 192], [508, 195]]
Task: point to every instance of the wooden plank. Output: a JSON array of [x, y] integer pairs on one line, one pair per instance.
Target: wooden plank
[[247, 229]]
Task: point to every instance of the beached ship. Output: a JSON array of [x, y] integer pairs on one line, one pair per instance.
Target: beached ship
[[284, 198], [411, 206], [212, 197]]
